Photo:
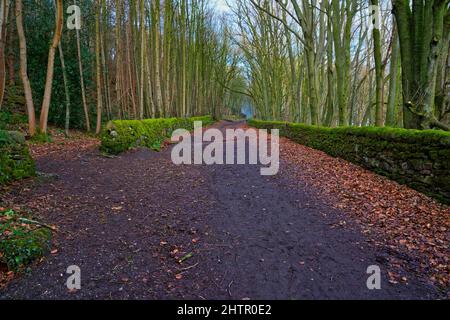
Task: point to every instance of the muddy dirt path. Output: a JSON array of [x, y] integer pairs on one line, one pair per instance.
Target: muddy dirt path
[[128, 221]]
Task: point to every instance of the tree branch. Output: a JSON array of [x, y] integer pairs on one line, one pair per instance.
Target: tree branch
[[296, 34]]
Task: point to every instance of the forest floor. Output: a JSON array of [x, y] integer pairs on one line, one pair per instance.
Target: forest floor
[[140, 227]]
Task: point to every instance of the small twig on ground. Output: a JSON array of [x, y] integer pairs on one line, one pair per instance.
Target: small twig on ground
[[109, 156], [188, 268], [24, 220], [262, 247], [229, 288]]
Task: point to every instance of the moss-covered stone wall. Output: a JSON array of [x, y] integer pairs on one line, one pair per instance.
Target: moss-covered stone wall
[[419, 159], [121, 135], [15, 159]]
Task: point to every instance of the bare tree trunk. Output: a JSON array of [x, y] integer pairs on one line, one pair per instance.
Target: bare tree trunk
[[23, 70], [330, 94], [50, 68], [379, 121], [66, 89], [10, 56], [66, 85], [118, 57], [149, 87], [103, 46], [167, 56], [393, 74], [83, 89], [183, 59], [98, 68], [130, 68], [159, 104], [142, 81], [4, 14]]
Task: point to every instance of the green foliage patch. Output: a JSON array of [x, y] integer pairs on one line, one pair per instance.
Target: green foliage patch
[[21, 243], [419, 159], [10, 120], [122, 135], [15, 159], [41, 138]]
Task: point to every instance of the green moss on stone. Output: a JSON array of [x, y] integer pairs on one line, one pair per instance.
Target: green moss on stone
[[15, 159], [122, 135], [400, 154]]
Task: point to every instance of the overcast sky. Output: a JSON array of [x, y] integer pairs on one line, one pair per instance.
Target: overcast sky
[[222, 6]]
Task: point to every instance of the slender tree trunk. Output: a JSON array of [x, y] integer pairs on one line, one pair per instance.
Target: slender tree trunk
[[149, 87], [23, 70], [98, 68], [50, 68], [66, 85], [130, 69], [312, 87], [330, 94], [119, 60], [10, 59], [83, 88], [378, 71], [393, 75], [66, 89], [159, 102], [167, 55], [104, 57], [4, 14], [183, 58], [142, 81]]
